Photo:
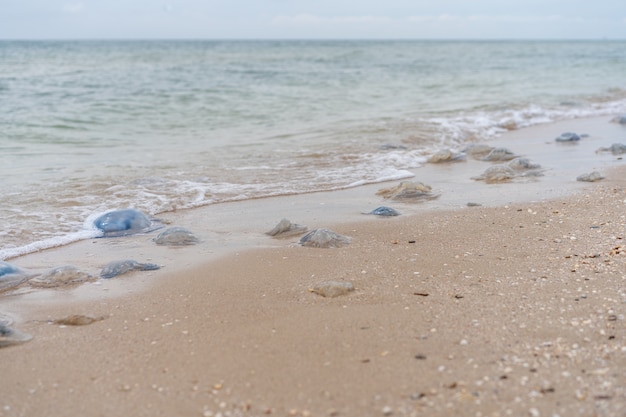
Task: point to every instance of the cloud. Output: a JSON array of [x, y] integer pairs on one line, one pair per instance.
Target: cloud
[[310, 19], [73, 7], [487, 18]]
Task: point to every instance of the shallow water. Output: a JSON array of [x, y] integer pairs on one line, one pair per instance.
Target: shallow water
[[162, 125]]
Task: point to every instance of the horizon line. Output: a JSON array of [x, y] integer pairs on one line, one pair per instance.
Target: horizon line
[[243, 39]]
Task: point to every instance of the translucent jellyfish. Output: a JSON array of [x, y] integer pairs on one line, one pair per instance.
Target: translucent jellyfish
[[116, 268], [500, 154], [384, 211], [477, 150], [523, 164], [496, 173], [590, 177], [332, 289], [12, 276], [124, 222], [324, 238], [568, 137], [176, 236], [61, 276], [615, 149], [285, 228], [447, 155], [408, 191], [10, 336]]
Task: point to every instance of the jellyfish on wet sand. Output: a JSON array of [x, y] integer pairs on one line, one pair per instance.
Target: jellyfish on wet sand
[[115, 268], [176, 236], [286, 228], [12, 276], [408, 191], [61, 276], [324, 238], [124, 222], [384, 211]]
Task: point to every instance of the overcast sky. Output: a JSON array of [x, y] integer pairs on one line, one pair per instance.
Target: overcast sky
[[318, 19]]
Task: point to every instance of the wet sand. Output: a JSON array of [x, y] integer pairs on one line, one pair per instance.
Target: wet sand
[[515, 307]]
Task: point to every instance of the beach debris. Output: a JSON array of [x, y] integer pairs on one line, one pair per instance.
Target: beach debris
[[115, 268], [615, 149], [61, 276], [447, 155], [176, 236], [324, 238], [332, 289], [590, 177], [499, 154], [496, 173], [10, 336], [384, 211], [408, 191], [77, 320], [12, 276], [285, 228], [124, 222], [477, 150], [473, 204], [568, 137]]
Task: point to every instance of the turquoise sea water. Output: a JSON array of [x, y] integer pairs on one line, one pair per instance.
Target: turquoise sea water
[[88, 126]]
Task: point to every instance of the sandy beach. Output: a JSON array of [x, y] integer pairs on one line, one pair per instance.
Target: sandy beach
[[514, 307]]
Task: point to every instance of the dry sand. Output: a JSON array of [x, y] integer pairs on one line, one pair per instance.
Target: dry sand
[[506, 309]]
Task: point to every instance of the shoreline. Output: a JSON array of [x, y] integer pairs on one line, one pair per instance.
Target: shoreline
[[516, 306]]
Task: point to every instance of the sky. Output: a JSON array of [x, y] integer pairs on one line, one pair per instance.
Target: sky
[[313, 19]]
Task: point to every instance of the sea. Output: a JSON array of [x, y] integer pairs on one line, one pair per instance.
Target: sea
[[91, 126]]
